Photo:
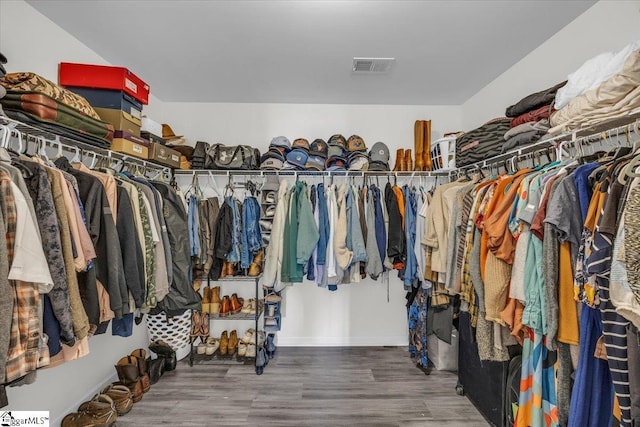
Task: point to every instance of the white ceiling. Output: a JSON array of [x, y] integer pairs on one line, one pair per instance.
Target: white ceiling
[[301, 51]]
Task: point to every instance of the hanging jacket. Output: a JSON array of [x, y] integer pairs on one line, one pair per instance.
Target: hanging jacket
[[334, 272], [374, 264], [396, 248], [289, 266], [132, 257], [181, 295], [355, 238], [343, 255], [411, 211], [251, 239], [323, 226], [307, 236], [223, 238], [273, 259]]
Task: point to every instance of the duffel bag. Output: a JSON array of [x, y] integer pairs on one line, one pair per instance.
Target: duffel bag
[[481, 143], [239, 157]]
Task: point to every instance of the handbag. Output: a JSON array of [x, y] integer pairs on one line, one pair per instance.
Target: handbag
[[239, 157]]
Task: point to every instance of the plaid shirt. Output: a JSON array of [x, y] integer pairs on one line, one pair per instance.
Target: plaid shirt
[[23, 353]]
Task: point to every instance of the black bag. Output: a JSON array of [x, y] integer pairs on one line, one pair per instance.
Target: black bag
[[239, 157], [199, 158], [481, 143], [483, 382]]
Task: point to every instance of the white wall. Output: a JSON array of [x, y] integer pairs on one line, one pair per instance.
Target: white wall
[[607, 26], [357, 314], [31, 42]]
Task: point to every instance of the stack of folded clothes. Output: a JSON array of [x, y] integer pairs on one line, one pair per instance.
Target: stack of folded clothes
[[605, 87], [530, 118], [35, 100]]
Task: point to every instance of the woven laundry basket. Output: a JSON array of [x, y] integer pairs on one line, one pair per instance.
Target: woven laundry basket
[[172, 330]]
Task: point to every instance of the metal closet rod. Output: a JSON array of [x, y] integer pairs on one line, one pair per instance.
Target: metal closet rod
[[362, 174], [558, 142], [81, 148]]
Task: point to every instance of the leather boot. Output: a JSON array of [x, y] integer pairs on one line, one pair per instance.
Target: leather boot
[[141, 355], [129, 376], [99, 411], [206, 300], [225, 309], [428, 164], [399, 160], [223, 270], [195, 324], [224, 343], [233, 342], [418, 137], [236, 304], [256, 266], [408, 161], [121, 396], [215, 300]]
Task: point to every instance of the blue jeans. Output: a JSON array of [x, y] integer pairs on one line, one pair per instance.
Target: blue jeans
[[234, 254], [410, 212], [251, 236], [194, 237]]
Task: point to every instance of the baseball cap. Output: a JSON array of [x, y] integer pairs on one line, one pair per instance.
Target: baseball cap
[[336, 151], [355, 143], [272, 153], [297, 158], [358, 161], [379, 153], [301, 143], [375, 165], [338, 139], [315, 163], [281, 141], [336, 164], [319, 148], [271, 163]]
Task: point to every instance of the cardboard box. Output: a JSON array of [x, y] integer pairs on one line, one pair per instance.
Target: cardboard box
[[114, 99], [151, 126], [125, 146], [126, 135], [164, 155], [121, 120], [103, 77]]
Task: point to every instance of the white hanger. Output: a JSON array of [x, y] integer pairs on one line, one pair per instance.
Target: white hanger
[[76, 156]]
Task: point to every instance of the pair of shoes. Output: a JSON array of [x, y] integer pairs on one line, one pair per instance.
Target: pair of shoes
[[129, 376], [121, 396], [255, 268], [231, 305], [249, 306], [99, 411], [249, 336], [212, 344], [202, 347], [272, 296], [199, 324], [400, 164], [166, 353], [271, 346], [246, 350], [228, 343], [211, 300], [141, 355]]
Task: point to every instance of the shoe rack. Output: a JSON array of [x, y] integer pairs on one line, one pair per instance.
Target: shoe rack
[[228, 285]]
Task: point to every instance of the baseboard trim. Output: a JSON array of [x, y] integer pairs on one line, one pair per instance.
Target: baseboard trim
[[74, 407], [342, 341]]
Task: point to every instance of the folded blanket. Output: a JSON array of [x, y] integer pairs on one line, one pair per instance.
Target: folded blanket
[[522, 139], [31, 82], [615, 97], [532, 116], [542, 125], [534, 101]]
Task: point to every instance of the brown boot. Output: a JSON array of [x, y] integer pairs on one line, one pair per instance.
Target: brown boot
[[121, 396], [233, 342], [408, 161], [236, 304], [206, 300], [399, 160], [256, 266], [141, 355], [418, 137], [99, 411], [215, 300], [225, 309], [428, 164], [224, 343], [129, 376]]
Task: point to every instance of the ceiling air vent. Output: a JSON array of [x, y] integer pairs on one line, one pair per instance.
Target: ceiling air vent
[[372, 65]]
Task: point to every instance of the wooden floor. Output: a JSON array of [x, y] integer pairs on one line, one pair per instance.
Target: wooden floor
[[365, 386]]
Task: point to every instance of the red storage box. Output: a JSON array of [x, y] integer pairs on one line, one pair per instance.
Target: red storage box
[[103, 77]]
